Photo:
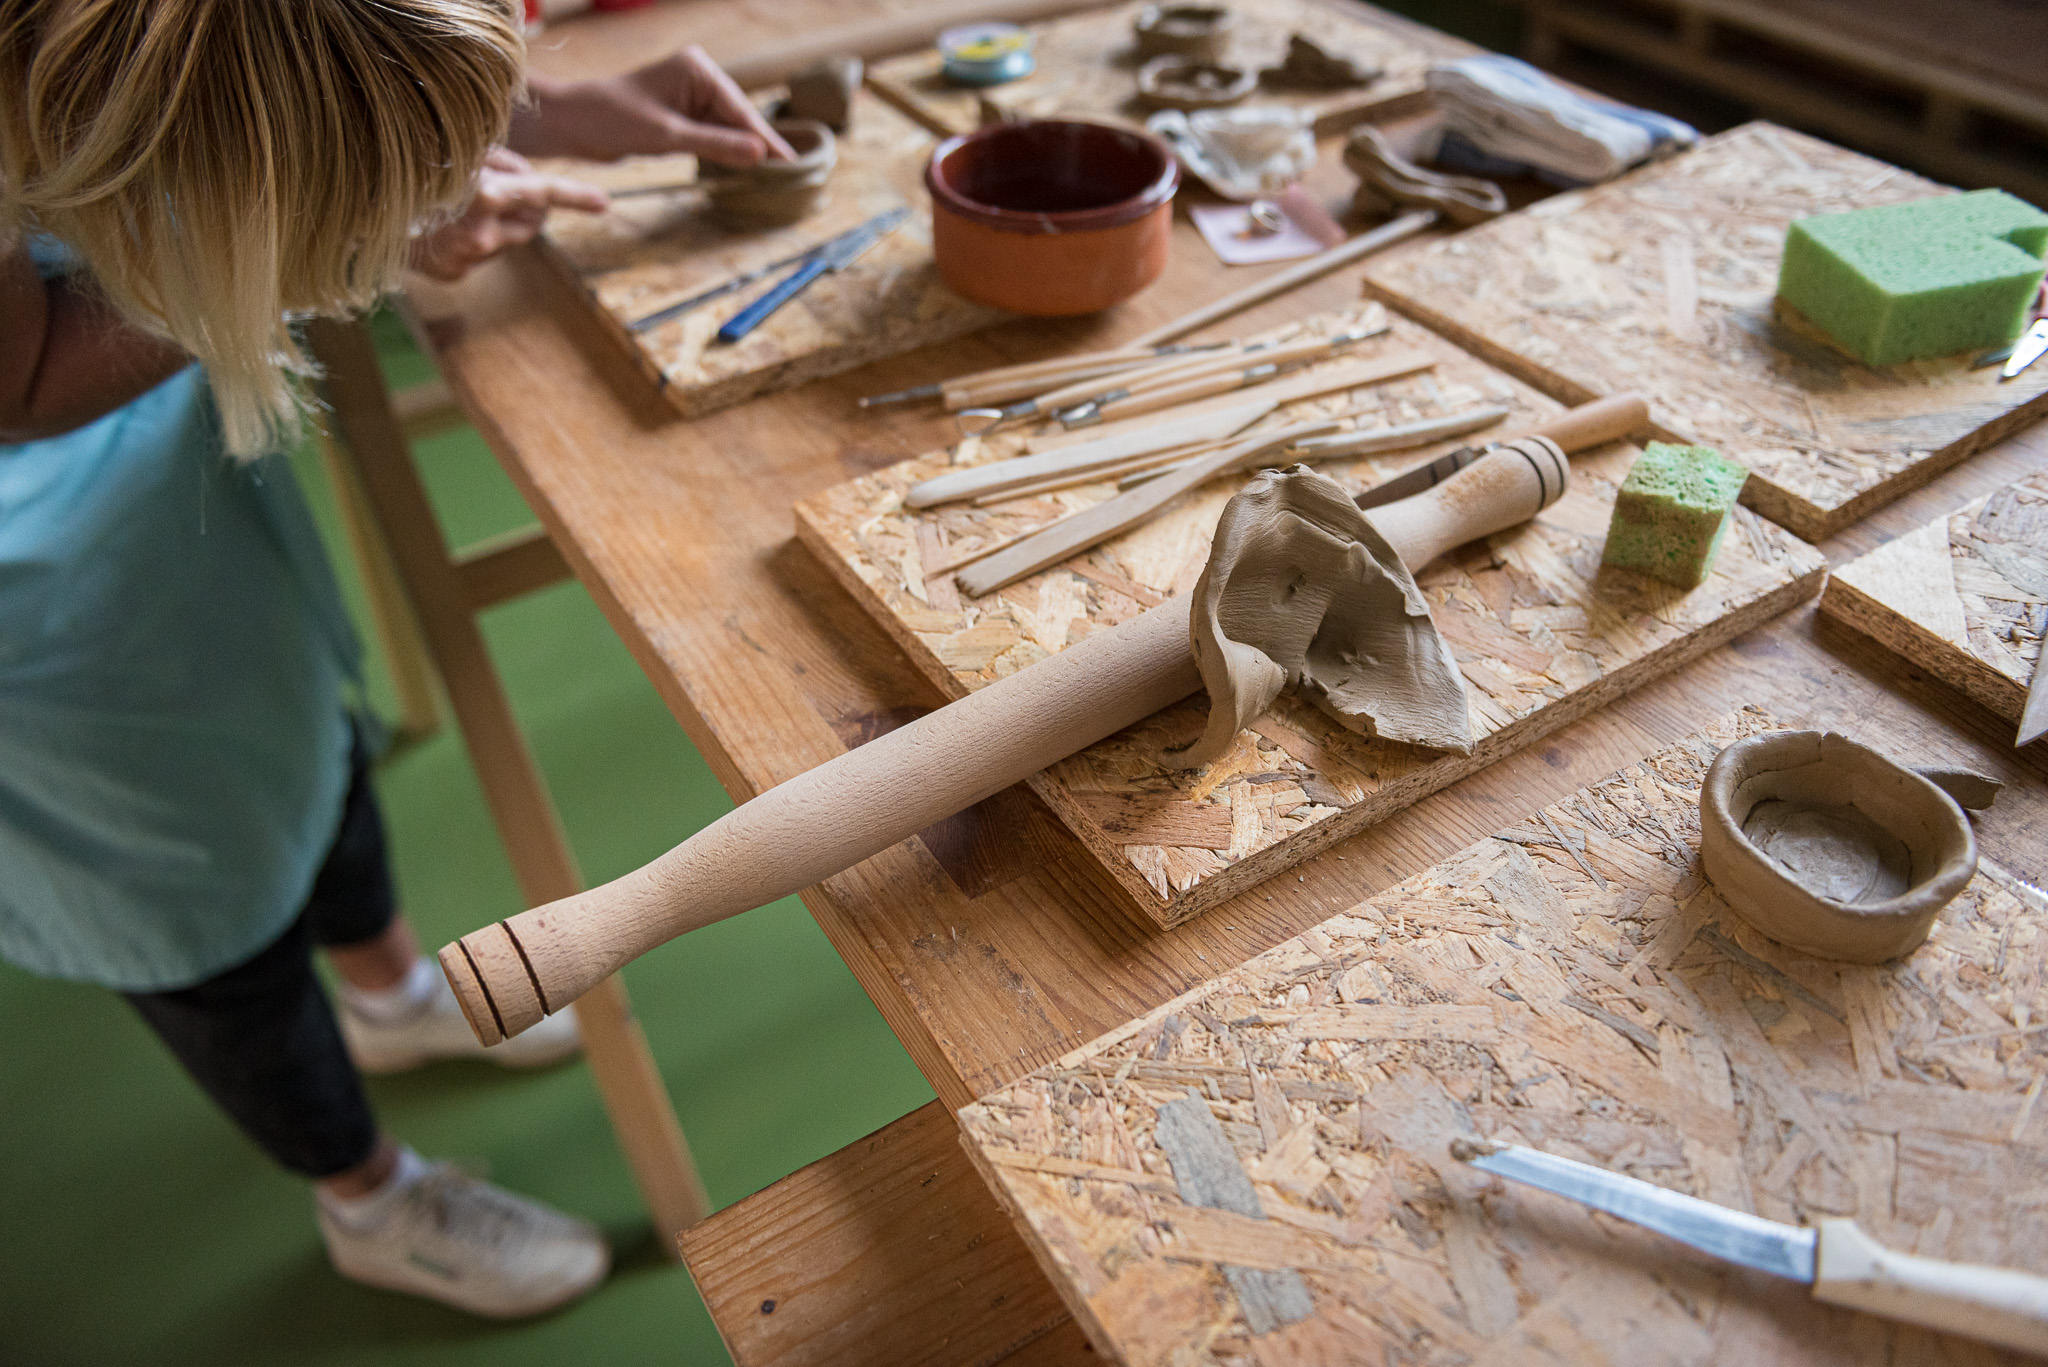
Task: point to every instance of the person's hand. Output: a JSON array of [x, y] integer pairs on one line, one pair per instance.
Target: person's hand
[[510, 205], [682, 103]]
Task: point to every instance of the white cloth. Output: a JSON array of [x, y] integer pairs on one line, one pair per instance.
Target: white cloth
[[1509, 110]]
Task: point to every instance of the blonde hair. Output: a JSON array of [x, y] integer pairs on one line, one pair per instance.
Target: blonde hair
[[224, 165]]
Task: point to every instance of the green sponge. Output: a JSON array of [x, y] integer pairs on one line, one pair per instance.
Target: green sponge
[[1672, 513], [1925, 278]]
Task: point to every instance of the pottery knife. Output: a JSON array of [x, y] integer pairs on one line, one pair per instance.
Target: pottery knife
[[2027, 350], [835, 255], [1842, 1264], [2034, 716]]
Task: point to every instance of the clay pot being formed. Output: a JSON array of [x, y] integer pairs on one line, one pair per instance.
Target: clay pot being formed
[[1830, 848], [1051, 217], [774, 192], [1180, 83], [1198, 32]]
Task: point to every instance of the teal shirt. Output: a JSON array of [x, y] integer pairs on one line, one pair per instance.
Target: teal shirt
[[173, 729]]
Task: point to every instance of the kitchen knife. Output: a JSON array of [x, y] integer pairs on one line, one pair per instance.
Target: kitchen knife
[[1842, 1264]]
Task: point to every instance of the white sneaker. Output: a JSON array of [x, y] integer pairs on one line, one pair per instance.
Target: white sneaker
[[433, 1028], [449, 1237]]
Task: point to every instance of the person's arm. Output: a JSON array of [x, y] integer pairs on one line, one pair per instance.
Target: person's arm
[[683, 103], [511, 203], [65, 357]]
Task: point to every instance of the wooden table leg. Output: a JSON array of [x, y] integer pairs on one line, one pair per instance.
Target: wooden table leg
[[370, 433]]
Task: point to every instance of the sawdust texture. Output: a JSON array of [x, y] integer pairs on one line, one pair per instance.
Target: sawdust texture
[[652, 250], [1965, 596], [1573, 984], [1663, 281]]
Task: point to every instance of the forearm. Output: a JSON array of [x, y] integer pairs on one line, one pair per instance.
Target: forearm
[[65, 358], [532, 133]]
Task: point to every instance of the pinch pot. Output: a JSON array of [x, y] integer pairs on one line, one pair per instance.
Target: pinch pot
[[1051, 217], [774, 192], [1829, 771]]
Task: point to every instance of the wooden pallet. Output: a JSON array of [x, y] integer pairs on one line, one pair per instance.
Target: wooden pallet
[[1541, 636], [1958, 91], [651, 251], [1088, 68], [1573, 984], [1663, 281], [1964, 597]]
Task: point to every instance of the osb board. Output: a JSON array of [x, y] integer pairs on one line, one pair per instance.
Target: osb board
[[1088, 68], [1575, 985], [1541, 635], [1964, 597], [1663, 281], [649, 251]]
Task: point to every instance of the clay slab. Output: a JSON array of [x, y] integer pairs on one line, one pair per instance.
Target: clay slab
[[1663, 281], [1539, 632], [1572, 984]]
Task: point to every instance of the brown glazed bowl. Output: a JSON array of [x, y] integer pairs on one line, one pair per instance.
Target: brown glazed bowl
[[1936, 849], [1051, 217]]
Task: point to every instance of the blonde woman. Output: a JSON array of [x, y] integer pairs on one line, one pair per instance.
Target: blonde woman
[[184, 809]]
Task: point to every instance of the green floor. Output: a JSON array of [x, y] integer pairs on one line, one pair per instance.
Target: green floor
[[137, 1227]]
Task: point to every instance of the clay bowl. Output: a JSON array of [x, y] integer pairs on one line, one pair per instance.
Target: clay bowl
[[1187, 85], [1051, 217], [1879, 849], [1200, 32], [773, 193]]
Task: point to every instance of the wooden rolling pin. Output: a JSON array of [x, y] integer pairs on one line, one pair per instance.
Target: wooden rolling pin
[[510, 974]]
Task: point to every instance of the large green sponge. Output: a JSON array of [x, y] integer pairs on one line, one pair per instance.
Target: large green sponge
[[1672, 511], [1925, 278]]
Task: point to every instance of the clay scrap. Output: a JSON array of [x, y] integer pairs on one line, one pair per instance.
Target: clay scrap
[[1301, 589], [1310, 65], [823, 92]]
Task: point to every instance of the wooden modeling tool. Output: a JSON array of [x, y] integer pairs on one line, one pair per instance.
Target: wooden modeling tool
[[1149, 391], [1378, 441], [1093, 526], [510, 974], [1300, 273], [1842, 1264], [1029, 377]]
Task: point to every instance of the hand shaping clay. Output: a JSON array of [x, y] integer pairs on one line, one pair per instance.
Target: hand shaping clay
[[776, 192], [1831, 848], [1300, 588]]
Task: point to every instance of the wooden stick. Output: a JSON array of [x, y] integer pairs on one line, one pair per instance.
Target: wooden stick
[[1073, 534], [1386, 235], [508, 975], [1136, 466], [1126, 394], [1093, 526]]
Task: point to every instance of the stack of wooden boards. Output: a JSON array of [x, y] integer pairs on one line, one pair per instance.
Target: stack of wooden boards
[[1541, 635], [650, 251], [1088, 69], [1574, 984]]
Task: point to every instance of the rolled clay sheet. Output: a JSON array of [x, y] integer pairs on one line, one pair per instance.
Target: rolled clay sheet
[[1302, 589]]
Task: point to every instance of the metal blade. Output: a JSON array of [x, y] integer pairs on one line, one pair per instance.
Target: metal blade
[[2027, 350], [844, 249], [2034, 716], [1766, 1245]]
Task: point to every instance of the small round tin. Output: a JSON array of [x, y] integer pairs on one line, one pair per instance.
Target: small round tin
[[986, 54]]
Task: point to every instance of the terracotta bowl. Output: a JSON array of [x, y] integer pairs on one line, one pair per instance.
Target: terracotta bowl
[[1929, 852], [1051, 217]]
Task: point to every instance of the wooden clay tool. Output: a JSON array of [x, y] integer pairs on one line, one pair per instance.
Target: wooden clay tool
[[510, 974], [1093, 526], [1404, 437]]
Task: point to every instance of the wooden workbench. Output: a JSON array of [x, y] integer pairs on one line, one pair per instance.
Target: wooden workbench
[[992, 944]]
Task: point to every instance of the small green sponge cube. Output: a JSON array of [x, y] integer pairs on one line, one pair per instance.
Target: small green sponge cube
[[1926, 278], [1672, 512]]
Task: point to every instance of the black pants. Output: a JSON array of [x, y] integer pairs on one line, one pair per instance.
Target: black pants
[[261, 1038]]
